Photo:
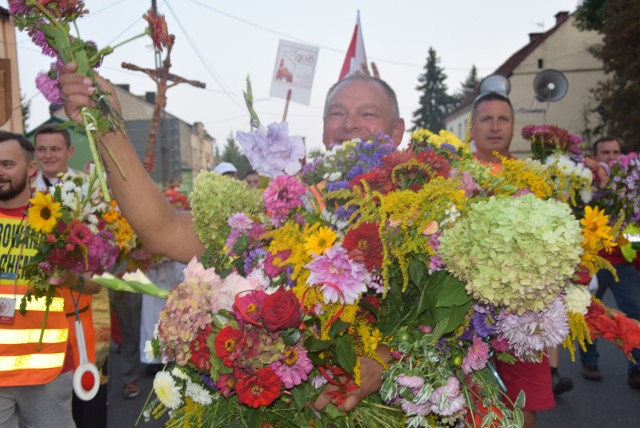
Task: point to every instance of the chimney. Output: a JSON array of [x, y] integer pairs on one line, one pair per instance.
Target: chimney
[[561, 17], [534, 36], [150, 97]]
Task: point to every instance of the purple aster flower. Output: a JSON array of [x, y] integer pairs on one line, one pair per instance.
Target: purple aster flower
[[435, 264], [254, 258], [413, 382], [342, 279], [271, 151], [294, 366], [49, 87], [532, 332], [447, 399], [18, 7], [476, 358], [337, 185], [207, 380], [413, 409], [40, 40]]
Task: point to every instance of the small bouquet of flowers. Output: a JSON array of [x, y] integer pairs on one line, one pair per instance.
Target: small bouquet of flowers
[[622, 192], [561, 152], [49, 24], [66, 225], [547, 139]]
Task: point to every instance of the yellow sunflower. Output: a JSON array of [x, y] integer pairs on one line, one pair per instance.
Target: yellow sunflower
[[595, 228], [43, 213], [320, 240]]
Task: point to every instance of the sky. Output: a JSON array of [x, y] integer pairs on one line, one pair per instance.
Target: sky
[[220, 43]]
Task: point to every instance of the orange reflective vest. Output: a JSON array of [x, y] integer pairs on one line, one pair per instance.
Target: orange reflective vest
[[85, 315], [21, 363]]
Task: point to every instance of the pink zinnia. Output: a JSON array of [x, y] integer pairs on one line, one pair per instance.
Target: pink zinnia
[[341, 278], [283, 195], [294, 366], [79, 234], [476, 358]]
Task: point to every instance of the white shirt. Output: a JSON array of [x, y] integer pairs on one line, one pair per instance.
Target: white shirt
[[39, 184]]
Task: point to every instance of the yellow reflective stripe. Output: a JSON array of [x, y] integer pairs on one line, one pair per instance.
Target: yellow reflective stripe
[[32, 335], [31, 361], [57, 303]]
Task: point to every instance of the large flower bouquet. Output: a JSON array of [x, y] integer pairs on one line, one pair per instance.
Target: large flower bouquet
[[622, 192], [367, 252], [67, 227]]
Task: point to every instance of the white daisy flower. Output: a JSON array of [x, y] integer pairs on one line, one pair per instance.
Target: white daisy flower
[[166, 390], [198, 394]]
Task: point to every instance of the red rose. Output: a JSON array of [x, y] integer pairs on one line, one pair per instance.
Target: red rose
[[280, 310]]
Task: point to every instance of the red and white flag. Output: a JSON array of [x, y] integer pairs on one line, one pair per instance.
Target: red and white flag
[[356, 56]]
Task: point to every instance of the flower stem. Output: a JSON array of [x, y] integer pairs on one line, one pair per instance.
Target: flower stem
[[127, 41], [94, 153]]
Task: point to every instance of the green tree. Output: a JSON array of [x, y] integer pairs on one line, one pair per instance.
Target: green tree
[[469, 85], [26, 111], [435, 102], [616, 97], [231, 153]]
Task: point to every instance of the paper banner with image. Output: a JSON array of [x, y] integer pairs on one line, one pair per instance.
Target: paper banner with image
[[294, 70]]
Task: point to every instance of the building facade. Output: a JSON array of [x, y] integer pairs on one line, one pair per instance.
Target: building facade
[[563, 48]]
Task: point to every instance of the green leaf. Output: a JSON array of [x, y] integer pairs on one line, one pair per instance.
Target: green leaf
[[300, 395], [133, 286], [453, 293], [338, 327], [254, 418], [290, 337], [416, 271], [316, 345], [520, 401], [345, 354]]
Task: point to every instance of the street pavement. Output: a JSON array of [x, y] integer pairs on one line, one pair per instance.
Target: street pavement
[[605, 404]]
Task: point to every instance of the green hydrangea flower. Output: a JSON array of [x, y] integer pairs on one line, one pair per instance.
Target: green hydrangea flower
[[516, 253], [215, 198]]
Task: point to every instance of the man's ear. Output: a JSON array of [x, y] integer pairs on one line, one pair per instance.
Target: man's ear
[[398, 131], [32, 170]]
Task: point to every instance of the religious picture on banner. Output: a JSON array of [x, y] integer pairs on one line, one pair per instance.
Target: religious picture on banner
[[294, 70]]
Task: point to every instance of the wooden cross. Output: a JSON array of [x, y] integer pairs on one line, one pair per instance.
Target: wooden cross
[[164, 80]]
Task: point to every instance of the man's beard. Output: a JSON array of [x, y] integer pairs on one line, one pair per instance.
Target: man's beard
[[12, 191]]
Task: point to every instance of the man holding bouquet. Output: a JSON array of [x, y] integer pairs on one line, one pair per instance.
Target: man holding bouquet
[[35, 382], [356, 107], [626, 291]]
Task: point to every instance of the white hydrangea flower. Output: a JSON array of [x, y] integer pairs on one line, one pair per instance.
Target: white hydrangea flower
[[577, 299]]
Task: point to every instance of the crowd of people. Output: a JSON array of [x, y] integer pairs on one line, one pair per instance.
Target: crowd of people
[[355, 107]]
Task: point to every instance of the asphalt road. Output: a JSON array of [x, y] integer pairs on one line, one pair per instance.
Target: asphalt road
[[609, 403]]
